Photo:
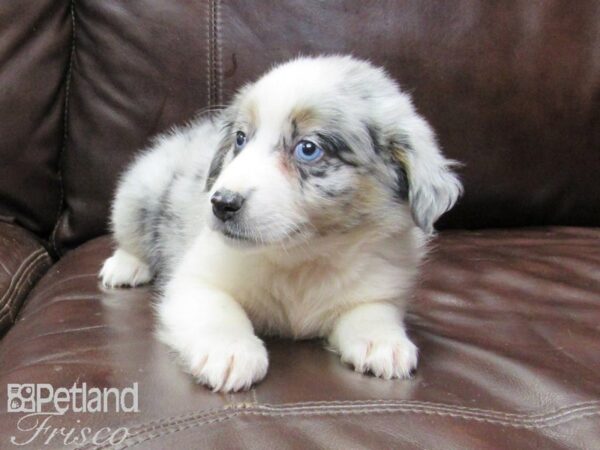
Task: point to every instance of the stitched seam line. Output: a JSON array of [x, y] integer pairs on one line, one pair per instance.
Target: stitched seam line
[[212, 81], [213, 52], [63, 147], [24, 263], [22, 273], [540, 420], [341, 403], [259, 411], [215, 82], [14, 309], [344, 404], [183, 427], [219, 53], [492, 415], [534, 418], [208, 54]]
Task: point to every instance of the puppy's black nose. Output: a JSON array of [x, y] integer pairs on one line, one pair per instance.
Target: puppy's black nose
[[226, 204]]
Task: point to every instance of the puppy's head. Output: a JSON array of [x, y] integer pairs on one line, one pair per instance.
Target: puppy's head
[[325, 145]]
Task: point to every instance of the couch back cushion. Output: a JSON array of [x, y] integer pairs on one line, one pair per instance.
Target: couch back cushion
[[35, 41], [513, 90]]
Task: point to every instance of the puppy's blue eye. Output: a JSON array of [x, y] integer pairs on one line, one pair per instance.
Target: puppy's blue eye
[[240, 140], [308, 152]]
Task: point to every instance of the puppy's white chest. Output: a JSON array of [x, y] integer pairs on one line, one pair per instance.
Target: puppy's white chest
[[293, 303]]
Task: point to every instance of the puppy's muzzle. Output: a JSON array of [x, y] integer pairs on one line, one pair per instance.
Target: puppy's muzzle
[[226, 204]]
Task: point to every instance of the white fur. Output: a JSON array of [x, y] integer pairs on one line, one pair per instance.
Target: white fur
[[124, 269], [331, 256]]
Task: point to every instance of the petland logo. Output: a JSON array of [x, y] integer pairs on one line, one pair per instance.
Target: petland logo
[[41, 402]]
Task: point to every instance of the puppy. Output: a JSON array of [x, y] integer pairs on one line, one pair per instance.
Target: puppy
[[301, 210]]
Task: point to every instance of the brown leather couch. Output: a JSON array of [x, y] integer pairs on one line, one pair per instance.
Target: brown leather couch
[[507, 314]]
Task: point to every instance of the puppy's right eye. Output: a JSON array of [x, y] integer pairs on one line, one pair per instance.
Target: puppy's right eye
[[308, 152], [240, 140]]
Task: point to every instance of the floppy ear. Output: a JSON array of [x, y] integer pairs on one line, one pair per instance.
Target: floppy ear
[[433, 187], [224, 122]]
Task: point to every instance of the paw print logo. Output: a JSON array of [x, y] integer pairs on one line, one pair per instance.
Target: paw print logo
[[21, 398]]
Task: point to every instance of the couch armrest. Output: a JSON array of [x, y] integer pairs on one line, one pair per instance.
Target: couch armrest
[[23, 260]]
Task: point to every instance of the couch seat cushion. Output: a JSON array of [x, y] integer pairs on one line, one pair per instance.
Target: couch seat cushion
[[23, 260], [506, 322]]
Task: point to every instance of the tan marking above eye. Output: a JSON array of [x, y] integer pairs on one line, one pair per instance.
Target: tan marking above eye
[[304, 118], [250, 112]]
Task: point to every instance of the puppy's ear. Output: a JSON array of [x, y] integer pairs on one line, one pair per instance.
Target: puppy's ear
[[216, 166], [225, 125], [433, 187]]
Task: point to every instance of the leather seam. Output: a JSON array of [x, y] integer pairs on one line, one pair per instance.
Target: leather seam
[[214, 72], [18, 279], [155, 433], [24, 263], [493, 415], [341, 404], [219, 53], [208, 53], [8, 309], [515, 420], [63, 147], [559, 412]]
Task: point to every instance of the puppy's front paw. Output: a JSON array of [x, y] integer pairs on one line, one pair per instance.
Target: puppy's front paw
[[229, 364], [124, 269], [384, 354]]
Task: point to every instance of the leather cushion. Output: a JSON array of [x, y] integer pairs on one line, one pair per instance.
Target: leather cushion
[[512, 90], [23, 260], [35, 42], [506, 323], [139, 68]]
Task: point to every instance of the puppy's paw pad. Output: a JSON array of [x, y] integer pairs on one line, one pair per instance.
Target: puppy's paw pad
[[124, 269], [230, 365], [385, 356]]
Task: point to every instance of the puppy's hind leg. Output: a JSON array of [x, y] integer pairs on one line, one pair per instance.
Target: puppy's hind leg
[[124, 269], [132, 214], [128, 265], [137, 210]]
